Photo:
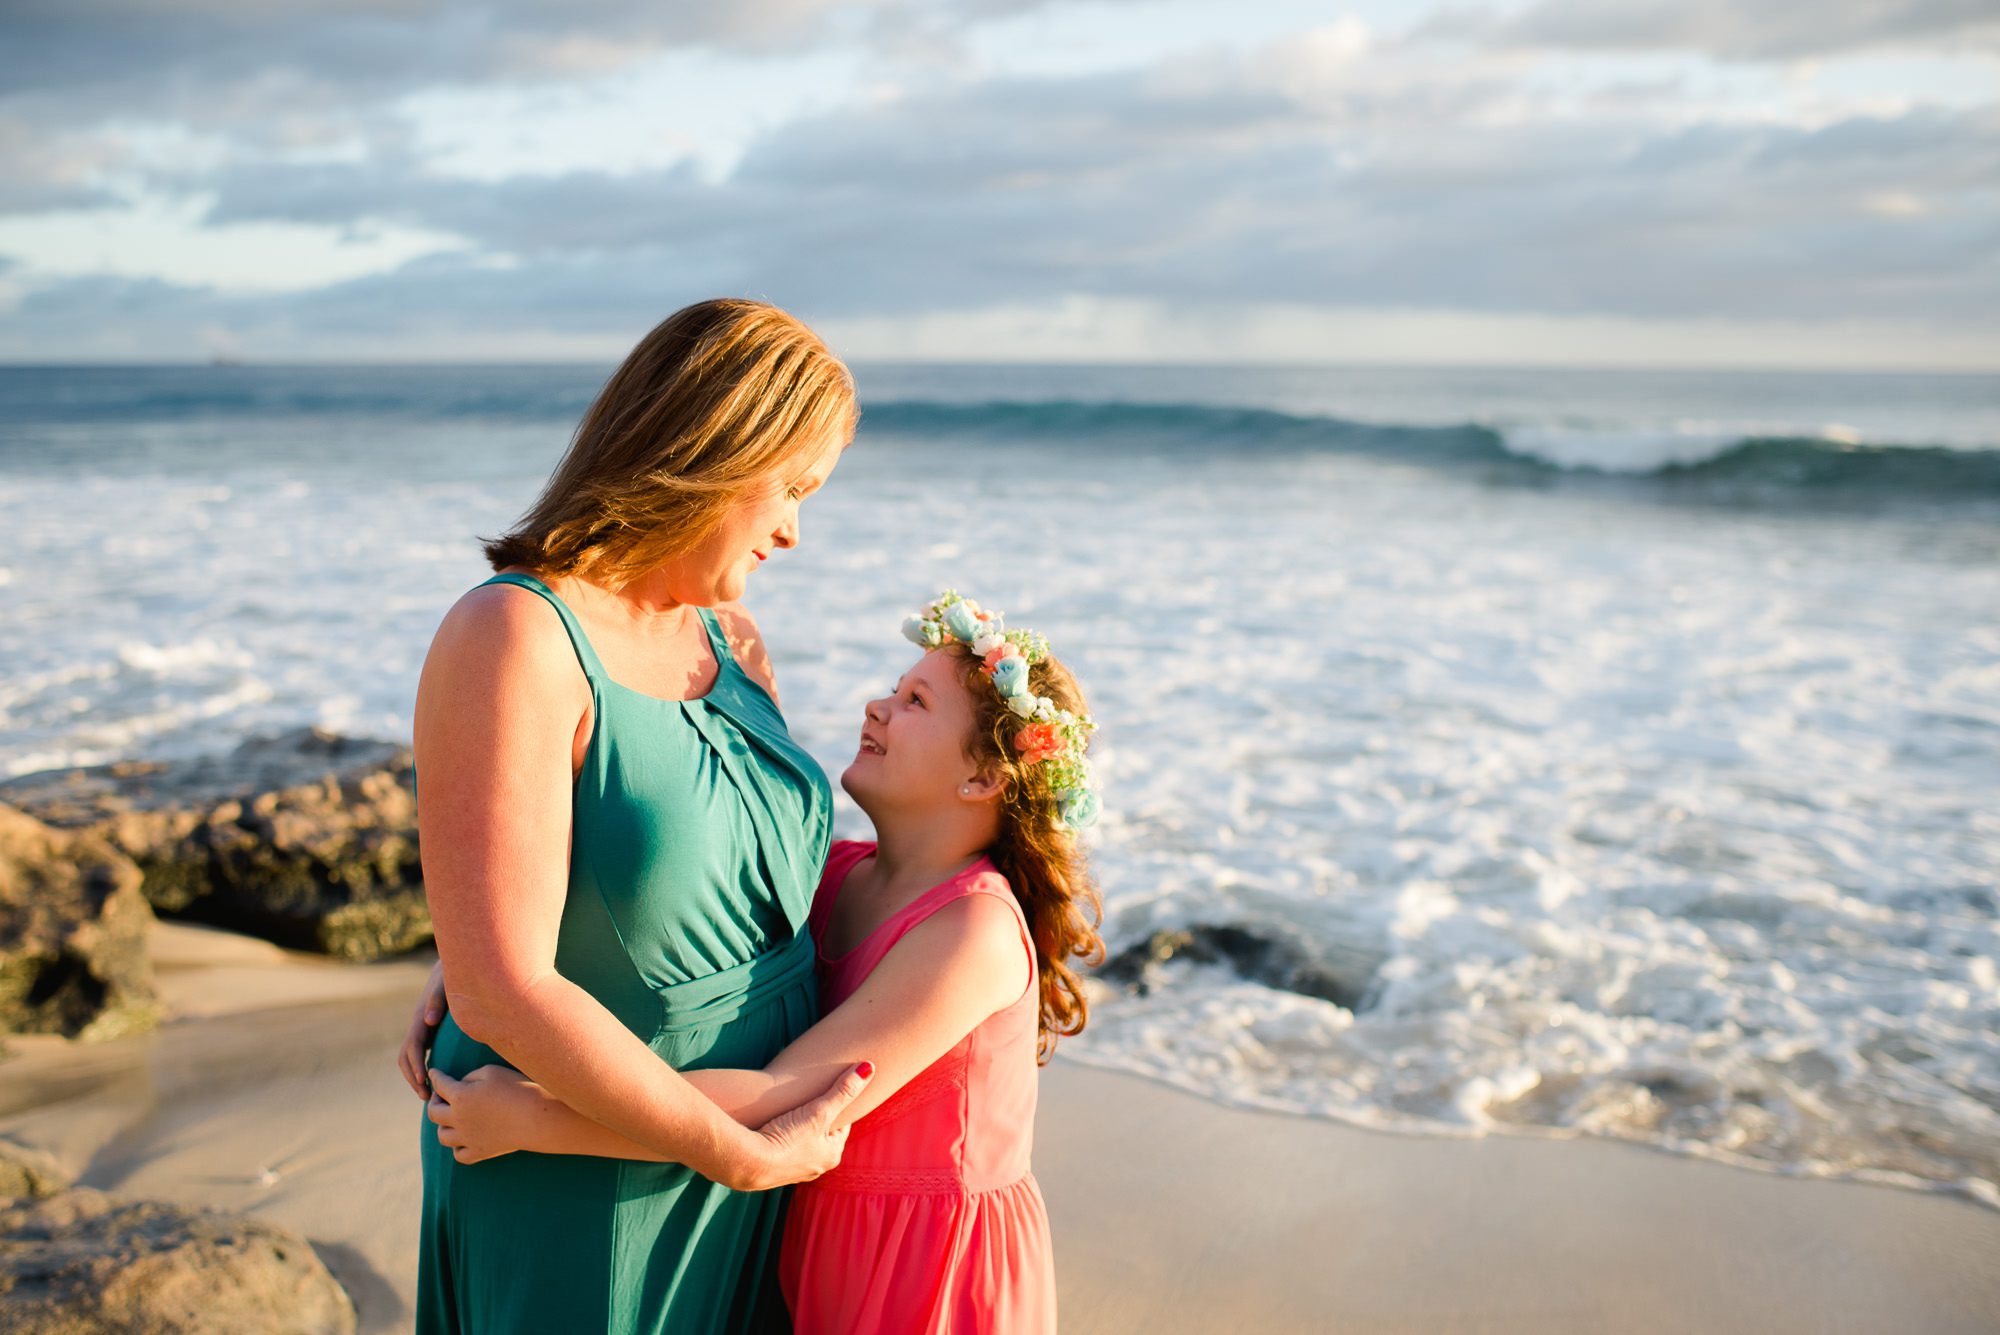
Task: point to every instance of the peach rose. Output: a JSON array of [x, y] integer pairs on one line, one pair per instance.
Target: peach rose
[[1037, 742]]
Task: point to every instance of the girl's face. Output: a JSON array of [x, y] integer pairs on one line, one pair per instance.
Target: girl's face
[[913, 740]]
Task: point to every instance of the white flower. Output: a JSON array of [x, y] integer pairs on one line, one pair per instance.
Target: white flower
[[987, 643], [1024, 705], [1045, 709]]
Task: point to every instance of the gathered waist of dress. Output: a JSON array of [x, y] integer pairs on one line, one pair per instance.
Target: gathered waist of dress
[[719, 997], [905, 1182]]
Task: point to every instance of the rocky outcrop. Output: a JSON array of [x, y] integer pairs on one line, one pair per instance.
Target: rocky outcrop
[[1332, 973], [84, 1261], [307, 839], [29, 1172], [72, 934]]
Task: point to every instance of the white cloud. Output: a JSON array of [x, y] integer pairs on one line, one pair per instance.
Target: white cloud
[[1734, 30], [169, 241]]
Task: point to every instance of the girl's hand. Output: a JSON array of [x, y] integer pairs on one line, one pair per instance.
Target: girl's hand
[[804, 1143], [494, 1110], [415, 1055]]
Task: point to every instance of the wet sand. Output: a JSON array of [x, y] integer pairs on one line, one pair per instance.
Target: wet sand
[[272, 1092]]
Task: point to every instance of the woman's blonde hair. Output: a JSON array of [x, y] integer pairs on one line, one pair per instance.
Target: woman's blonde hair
[[718, 399], [1042, 860]]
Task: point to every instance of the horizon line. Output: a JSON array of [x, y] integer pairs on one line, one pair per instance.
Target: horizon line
[[376, 363]]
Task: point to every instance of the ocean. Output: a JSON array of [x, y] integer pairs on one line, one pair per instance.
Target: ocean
[[1532, 752]]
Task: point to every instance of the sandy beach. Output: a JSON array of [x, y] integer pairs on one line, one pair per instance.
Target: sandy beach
[[271, 1091]]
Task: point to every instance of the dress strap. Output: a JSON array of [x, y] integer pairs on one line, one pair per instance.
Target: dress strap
[[717, 641], [841, 858], [593, 667]]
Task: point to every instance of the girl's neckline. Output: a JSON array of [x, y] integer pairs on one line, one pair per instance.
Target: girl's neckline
[[982, 862]]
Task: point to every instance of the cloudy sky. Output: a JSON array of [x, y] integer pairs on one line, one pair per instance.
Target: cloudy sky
[[1767, 182]]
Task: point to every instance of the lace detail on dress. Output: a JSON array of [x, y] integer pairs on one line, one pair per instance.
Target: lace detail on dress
[[944, 1078], [904, 1182], [891, 1181]]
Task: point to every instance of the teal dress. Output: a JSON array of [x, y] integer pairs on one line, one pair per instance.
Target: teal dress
[[699, 829]]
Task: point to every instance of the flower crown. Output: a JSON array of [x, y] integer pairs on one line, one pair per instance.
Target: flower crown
[[1051, 737]]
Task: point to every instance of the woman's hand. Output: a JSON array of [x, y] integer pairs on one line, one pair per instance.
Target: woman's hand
[[414, 1057], [494, 1110], [801, 1144]]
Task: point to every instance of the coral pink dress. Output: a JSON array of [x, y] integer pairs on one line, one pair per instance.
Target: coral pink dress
[[932, 1222]]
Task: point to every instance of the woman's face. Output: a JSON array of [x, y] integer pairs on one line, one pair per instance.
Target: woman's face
[[912, 748], [762, 522]]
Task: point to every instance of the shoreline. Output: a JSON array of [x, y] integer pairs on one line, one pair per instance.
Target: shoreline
[[271, 1091]]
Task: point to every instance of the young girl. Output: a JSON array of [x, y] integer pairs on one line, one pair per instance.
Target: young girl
[[944, 951]]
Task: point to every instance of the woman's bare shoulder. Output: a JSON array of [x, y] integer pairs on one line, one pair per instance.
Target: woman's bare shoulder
[[503, 631], [501, 698], [746, 642]]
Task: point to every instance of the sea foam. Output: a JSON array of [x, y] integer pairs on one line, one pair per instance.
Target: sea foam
[[1639, 788]]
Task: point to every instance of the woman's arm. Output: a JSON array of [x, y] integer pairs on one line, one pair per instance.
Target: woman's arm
[[495, 729], [732, 1090], [950, 972]]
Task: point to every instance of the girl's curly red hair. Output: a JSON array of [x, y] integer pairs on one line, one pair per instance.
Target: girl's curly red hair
[[1041, 859]]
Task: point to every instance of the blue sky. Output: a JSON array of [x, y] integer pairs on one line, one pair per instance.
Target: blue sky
[[1555, 181]]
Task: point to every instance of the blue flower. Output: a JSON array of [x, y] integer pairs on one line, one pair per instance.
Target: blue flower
[[914, 631], [1079, 808], [1010, 675], [958, 619]]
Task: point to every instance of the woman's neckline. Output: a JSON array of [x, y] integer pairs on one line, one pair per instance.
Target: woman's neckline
[[722, 662], [701, 699]]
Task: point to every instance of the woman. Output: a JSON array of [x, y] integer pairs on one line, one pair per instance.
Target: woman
[[621, 842]]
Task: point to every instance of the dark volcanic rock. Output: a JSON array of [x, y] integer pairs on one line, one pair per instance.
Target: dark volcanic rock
[[308, 839], [84, 1261], [72, 934], [1339, 974]]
